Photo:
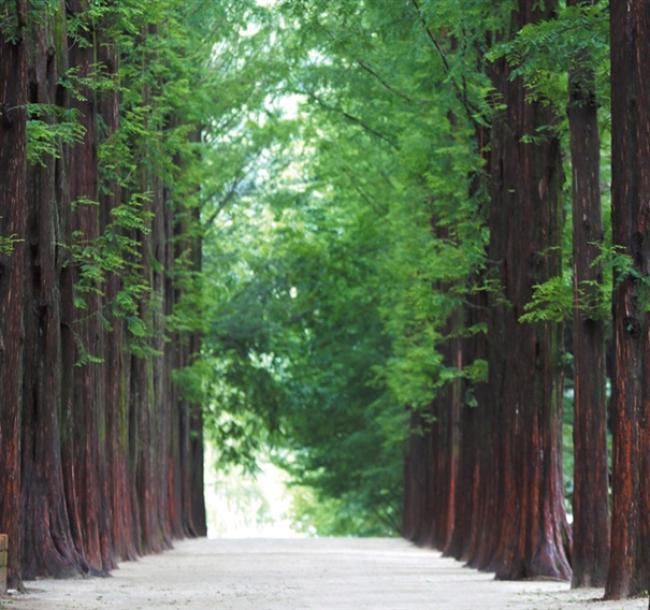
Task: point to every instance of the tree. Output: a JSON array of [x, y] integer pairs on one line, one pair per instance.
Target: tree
[[48, 546], [590, 503], [629, 567], [524, 364], [13, 266]]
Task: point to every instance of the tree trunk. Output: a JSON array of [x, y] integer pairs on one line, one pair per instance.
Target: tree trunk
[[525, 369], [88, 404], [629, 565], [590, 504], [414, 478], [48, 545], [13, 227]]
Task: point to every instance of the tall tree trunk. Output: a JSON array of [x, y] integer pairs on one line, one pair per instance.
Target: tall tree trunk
[[13, 227], [629, 565], [198, 519], [415, 467], [467, 505], [88, 394], [525, 369], [590, 504], [117, 487], [48, 545]]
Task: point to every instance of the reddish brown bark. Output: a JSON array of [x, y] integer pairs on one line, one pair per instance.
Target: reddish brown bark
[[465, 534], [629, 565], [117, 487], [197, 513], [13, 223], [415, 479], [48, 548], [87, 379], [446, 438], [590, 504], [524, 359]]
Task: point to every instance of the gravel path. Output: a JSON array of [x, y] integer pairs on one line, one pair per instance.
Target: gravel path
[[302, 574]]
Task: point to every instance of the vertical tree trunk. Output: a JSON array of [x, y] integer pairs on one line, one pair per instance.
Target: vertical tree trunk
[[467, 500], [117, 484], [13, 226], [524, 359], [198, 519], [629, 565], [415, 467], [48, 545], [590, 504], [87, 379]]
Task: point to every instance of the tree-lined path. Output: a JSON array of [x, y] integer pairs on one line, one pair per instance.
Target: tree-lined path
[[304, 574], [399, 250]]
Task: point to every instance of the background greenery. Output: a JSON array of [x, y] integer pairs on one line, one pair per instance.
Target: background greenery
[[343, 226]]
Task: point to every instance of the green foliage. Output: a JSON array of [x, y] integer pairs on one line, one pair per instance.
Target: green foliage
[[115, 251], [543, 53], [330, 516], [552, 301], [166, 83], [8, 243], [48, 129], [343, 231]]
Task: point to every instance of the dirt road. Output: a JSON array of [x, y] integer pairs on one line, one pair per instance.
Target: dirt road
[[303, 574]]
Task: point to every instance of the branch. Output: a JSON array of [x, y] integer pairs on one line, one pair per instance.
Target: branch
[[461, 93], [387, 85], [225, 200], [429, 33], [355, 120]]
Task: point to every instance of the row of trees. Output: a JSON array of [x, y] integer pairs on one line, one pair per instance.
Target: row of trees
[[413, 279], [485, 485], [100, 153]]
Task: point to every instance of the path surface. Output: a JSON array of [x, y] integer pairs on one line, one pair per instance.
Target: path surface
[[323, 574]]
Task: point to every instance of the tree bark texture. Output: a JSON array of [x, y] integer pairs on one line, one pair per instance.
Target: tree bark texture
[[13, 266], [524, 360], [590, 491], [48, 547], [629, 564]]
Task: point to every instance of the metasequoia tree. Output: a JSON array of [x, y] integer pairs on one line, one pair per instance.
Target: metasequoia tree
[[629, 564], [13, 265], [507, 457], [590, 504], [48, 544], [524, 364]]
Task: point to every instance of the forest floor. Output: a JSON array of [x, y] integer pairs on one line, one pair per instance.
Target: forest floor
[[302, 574]]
